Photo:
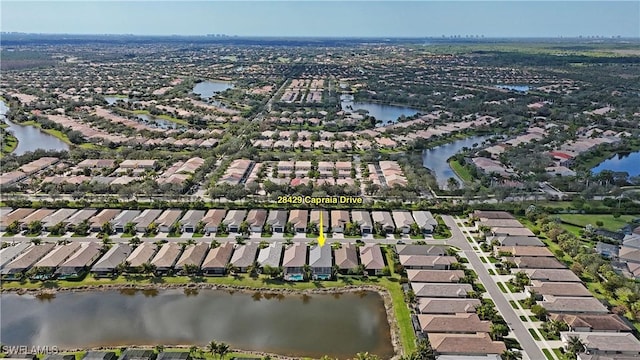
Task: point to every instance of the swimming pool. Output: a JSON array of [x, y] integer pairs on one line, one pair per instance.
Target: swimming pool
[[294, 277]]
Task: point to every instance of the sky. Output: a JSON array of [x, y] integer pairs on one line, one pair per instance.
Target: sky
[[422, 18]]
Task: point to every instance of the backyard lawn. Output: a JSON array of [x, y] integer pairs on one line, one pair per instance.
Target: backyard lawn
[[609, 222]]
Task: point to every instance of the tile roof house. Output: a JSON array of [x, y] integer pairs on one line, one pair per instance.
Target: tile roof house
[[403, 220], [101, 218], [27, 259], [11, 252], [298, 218], [573, 305], [143, 253], [383, 218], [629, 254], [524, 251], [295, 256], [271, 255], [434, 250], [80, 261], [244, 256], [256, 219], [604, 343], [192, 255], [542, 289], [107, 264], [464, 323], [166, 258], [191, 219], [441, 290], [425, 221], [321, 261], [446, 306], [561, 275], [435, 276], [278, 220], [427, 262], [167, 219], [217, 259], [346, 258], [371, 258], [363, 219], [533, 262], [212, 219], [465, 344], [596, 322], [338, 220]]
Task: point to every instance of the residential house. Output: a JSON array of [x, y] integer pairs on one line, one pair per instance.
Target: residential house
[[533, 262], [320, 261], [573, 305], [166, 258], [100, 355], [212, 219], [371, 258], [256, 219], [11, 252], [191, 219], [363, 219], [174, 355], [123, 218], [298, 218], [167, 219], [79, 217], [142, 254], [435, 276], [605, 343], [446, 306], [561, 275], [80, 261], [104, 216], [427, 262], [425, 221], [629, 254], [403, 220], [234, 219], [244, 256], [315, 219], [217, 260], [607, 250], [593, 322], [464, 323], [465, 344], [26, 260], [433, 250], [507, 240], [108, 263], [295, 257], [145, 219], [57, 256], [346, 258], [542, 289], [441, 290], [523, 251], [271, 255], [138, 354], [384, 219], [277, 219], [192, 255], [37, 215], [59, 216], [8, 218], [338, 220]]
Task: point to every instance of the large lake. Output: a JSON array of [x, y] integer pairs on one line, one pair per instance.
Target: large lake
[[386, 113], [436, 159], [295, 325], [620, 163], [30, 138], [207, 89]]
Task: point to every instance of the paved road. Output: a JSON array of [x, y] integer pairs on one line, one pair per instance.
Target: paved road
[[522, 334]]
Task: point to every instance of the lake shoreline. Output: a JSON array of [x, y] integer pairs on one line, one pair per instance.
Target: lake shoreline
[[394, 327]]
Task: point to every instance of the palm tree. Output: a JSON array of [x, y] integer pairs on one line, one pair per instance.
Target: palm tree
[[193, 350], [36, 241], [306, 271], [511, 355], [148, 268], [135, 241], [130, 228], [223, 349], [159, 348], [212, 347], [575, 345], [106, 228], [253, 269], [365, 356]]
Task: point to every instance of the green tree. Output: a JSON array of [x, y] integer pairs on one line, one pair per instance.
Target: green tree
[[575, 345], [106, 229], [13, 228], [34, 227], [498, 331], [148, 268], [307, 272], [222, 350], [511, 355], [212, 347], [539, 311], [130, 228]]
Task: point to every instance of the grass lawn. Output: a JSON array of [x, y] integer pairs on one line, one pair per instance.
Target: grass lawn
[[461, 171], [491, 272], [534, 334], [546, 352], [513, 304], [609, 222], [501, 286], [483, 259]]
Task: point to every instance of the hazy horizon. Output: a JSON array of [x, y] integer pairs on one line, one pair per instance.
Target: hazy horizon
[[345, 19]]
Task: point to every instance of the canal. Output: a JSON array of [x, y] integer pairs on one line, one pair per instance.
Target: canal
[[30, 138], [338, 325]]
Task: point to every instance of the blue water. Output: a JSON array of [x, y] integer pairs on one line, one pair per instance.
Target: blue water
[[206, 89], [386, 113], [629, 163], [520, 88]]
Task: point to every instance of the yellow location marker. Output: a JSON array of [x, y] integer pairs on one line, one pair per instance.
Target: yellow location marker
[[321, 236]]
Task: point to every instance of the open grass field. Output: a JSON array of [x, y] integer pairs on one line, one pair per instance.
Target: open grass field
[[609, 222], [461, 171]]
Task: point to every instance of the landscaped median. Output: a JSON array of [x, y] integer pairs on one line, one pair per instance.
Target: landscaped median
[[389, 288]]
